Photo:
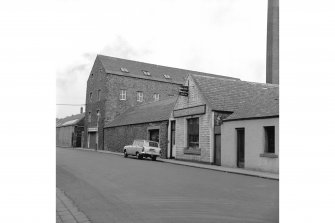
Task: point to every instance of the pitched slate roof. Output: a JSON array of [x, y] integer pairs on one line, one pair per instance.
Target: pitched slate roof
[[150, 112], [244, 99], [113, 65], [69, 120]]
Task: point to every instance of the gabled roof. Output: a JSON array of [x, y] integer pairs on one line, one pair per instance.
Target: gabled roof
[[244, 99], [70, 120], [150, 112], [113, 65]]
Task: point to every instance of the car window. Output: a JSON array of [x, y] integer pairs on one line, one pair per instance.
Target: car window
[[140, 143], [135, 143], [153, 144]]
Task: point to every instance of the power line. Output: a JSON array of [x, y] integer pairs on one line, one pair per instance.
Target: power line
[[72, 104]]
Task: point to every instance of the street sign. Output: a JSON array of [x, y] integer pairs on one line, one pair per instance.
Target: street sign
[[183, 91]]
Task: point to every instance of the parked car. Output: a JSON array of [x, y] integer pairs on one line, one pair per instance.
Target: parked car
[[143, 148]]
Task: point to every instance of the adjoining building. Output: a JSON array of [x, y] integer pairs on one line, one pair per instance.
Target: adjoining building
[[148, 121], [223, 121], [69, 131], [114, 85]]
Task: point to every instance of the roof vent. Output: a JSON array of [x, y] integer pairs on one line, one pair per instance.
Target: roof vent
[[167, 76], [146, 73], [123, 69]]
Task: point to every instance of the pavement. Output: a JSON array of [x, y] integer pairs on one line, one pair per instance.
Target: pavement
[[66, 211], [246, 172]]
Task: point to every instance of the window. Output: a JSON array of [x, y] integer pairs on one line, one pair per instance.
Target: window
[[91, 75], [89, 117], [91, 96], [156, 97], [98, 114], [139, 96], [167, 76], [123, 95], [123, 69], [99, 91], [193, 133], [269, 139], [147, 73]]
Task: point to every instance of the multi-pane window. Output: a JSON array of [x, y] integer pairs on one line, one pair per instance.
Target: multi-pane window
[[99, 93], [269, 139], [91, 96], [123, 95], [156, 97], [89, 117], [193, 133], [139, 96], [147, 73], [123, 69]]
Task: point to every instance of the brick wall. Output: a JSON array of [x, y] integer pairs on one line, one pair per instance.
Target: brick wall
[[95, 83], [115, 138], [205, 126], [110, 105], [115, 83]]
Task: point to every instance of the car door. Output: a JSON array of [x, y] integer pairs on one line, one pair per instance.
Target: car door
[[133, 147]]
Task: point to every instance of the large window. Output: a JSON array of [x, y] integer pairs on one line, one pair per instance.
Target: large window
[[123, 95], [193, 133], [139, 96], [269, 139]]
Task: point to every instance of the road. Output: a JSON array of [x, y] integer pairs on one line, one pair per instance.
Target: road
[[109, 188]]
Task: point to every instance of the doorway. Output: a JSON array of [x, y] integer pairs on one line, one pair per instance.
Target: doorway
[[154, 135], [240, 147], [173, 140], [217, 145]]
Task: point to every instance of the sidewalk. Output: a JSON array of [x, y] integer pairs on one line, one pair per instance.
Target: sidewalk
[[272, 176], [66, 211]]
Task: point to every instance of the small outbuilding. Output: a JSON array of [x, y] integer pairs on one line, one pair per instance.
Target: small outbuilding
[[148, 121], [69, 131]]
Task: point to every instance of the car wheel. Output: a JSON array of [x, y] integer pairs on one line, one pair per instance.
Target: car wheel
[[125, 154], [138, 156], [153, 158]]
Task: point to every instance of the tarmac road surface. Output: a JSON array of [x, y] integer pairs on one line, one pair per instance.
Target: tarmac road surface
[[109, 188]]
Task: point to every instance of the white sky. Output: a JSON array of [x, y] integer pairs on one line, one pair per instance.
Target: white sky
[[225, 37]]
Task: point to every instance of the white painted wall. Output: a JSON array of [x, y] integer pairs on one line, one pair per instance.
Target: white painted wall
[[254, 144]]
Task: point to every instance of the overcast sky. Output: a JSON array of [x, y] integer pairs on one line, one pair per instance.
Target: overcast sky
[[224, 37]]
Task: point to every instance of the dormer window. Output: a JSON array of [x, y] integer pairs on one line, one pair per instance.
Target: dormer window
[[167, 76], [146, 73], [125, 70]]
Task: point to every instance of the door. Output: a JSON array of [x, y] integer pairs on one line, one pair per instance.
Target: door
[[217, 149], [92, 140], [173, 140], [240, 147], [154, 135]]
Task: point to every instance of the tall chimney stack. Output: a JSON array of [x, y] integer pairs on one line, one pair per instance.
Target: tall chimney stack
[[81, 110], [272, 48]]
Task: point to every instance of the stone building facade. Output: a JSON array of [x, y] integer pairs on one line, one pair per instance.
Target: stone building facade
[[111, 79]]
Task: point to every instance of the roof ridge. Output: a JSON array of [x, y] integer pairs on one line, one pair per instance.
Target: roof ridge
[[157, 65]]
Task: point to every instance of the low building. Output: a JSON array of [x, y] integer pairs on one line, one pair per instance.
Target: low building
[[210, 118], [148, 121], [69, 131]]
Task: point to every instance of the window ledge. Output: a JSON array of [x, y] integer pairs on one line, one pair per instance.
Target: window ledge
[[268, 155], [192, 151]]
